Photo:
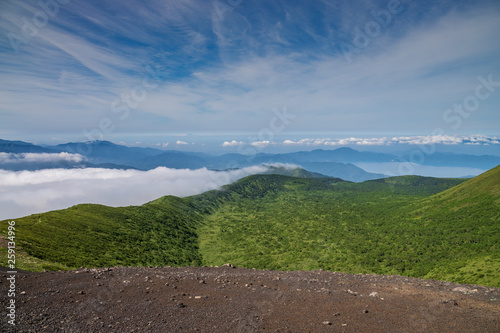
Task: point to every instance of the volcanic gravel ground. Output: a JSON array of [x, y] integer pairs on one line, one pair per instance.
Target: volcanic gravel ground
[[228, 299]]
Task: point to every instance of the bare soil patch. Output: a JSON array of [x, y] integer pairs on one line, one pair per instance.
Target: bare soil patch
[[228, 299]]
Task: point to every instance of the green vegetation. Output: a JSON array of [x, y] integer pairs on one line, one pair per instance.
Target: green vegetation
[[415, 226], [93, 235], [30, 263], [325, 223]]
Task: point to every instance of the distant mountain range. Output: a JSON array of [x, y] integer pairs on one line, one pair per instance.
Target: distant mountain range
[[22, 147], [333, 163]]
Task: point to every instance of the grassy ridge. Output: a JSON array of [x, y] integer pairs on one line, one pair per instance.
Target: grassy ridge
[[415, 226], [94, 235], [467, 217]]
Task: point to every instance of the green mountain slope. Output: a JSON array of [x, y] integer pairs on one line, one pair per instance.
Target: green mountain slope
[[310, 224], [93, 235], [415, 226], [293, 172], [467, 217]]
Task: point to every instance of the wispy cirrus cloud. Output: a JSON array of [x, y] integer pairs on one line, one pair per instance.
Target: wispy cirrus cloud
[[226, 72], [406, 84]]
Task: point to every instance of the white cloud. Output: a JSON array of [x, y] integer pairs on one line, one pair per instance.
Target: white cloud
[[233, 143], [446, 139], [396, 83], [179, 142], [28, 192], [306, 142], [40, 157], [380, 141], [376, 90], [261, 144]]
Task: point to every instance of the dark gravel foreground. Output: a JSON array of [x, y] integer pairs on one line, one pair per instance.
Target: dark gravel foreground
[[228, 299]]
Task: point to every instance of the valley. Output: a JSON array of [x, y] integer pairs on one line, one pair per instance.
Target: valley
[[414, 226]]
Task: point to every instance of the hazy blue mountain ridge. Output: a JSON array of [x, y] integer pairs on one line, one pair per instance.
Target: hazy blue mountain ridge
[[334, 163]]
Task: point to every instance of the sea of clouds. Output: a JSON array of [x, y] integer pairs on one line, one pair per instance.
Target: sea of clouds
[[6, 158], [29, 192], [378, 141]]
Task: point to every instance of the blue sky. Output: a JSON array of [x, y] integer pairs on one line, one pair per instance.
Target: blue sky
[[127, 70]]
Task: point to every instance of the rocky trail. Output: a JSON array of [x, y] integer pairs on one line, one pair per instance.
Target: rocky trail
[[229, 299]]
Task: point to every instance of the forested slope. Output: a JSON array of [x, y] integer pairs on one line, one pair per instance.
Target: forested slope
[[409, 225]]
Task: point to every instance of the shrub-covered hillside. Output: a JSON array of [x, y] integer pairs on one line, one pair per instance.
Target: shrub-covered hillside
[[415, 226]]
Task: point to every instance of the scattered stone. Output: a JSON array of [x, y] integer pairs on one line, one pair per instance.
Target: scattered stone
[[461, 289], [163, 311], [450, 301], [352, 292], [465, 290]]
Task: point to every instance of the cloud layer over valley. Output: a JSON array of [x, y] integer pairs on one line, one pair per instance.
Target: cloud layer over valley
[[29, 192], [40, 158]]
